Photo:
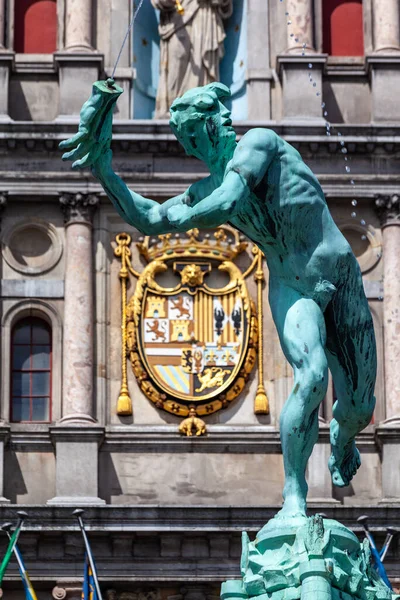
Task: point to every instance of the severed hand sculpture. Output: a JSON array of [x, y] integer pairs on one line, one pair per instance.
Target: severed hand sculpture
[[261, 186]]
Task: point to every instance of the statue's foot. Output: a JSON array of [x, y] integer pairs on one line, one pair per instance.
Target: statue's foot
[[293, 507], [345, 459]]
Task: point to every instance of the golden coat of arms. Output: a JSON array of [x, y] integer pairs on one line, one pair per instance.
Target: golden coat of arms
[[192, 346]]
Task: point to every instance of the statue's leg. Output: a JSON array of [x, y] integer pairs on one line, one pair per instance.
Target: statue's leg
[[351, 354], [301, 328]]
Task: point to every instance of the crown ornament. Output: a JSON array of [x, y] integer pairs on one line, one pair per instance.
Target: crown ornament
[[224, 244]]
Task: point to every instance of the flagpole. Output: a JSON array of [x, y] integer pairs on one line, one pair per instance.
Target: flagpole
[[24, 575], [78, 514], [13, 542], [7, 527]]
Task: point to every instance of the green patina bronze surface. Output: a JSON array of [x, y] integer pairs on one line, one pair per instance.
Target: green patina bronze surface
[[262, 187], [307, 559]]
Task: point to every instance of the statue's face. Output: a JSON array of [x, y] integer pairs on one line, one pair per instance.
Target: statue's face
[[202, 126]]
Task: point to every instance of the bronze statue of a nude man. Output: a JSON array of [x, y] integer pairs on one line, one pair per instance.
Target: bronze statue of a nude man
[[263, 188]]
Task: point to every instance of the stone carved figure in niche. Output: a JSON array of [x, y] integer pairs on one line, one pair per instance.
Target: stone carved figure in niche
[[191, 47], [261, 186]]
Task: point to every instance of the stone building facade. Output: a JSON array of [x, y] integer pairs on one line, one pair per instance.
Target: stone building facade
[[164, 511]]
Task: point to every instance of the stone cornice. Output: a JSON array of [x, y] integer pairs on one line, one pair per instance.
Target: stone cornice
[[120, 518], [137, 135], [262, 439], [158, 543]]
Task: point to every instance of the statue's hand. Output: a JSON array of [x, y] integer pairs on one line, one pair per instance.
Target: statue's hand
[[95, 128], [179, 216]]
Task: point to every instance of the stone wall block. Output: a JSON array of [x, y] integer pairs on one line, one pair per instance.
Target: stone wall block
[[170, 546], [195, 547], [123, 546], [219, 546], [144, 547]]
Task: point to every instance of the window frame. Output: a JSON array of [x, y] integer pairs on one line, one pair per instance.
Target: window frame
[[50, 312], [31, 320]]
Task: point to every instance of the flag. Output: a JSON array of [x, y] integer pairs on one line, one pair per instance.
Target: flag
[[29, 591], [89, 588], [9, 552]]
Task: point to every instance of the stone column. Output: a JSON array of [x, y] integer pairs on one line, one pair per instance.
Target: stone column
[[388, 432], [78, 309], [76, 436], [301, 98], [384, 62], [78, 25], [78, 63], [386, 20], [301, 28], [389, 210], [6, 64]]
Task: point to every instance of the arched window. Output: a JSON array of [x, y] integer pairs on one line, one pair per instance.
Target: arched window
[[35, 26], [31, 371], [343, 29]]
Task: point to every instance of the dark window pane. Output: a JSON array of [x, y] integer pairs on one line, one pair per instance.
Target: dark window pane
[[20, 409], [40, 384], [40, 357], [40, 409], [40, 334], [21, 357], [22, 334], [21, 384]]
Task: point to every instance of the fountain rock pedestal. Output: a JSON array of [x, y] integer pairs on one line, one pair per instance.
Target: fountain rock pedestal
[[307, 559]]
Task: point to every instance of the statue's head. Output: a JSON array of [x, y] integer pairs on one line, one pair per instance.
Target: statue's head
[[201, 122]]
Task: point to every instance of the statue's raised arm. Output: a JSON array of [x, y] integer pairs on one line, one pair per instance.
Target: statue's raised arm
[[91, 148], [203, 126]]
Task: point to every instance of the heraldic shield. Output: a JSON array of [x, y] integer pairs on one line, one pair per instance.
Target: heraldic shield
[[192, 346]]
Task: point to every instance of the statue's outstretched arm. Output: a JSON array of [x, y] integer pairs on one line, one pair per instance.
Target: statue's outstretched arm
[[216, 209], [90, 147], [148, 216]]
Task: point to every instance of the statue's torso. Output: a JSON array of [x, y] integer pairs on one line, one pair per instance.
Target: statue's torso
[[287, 217]]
